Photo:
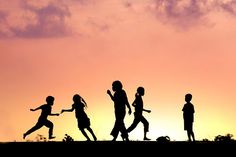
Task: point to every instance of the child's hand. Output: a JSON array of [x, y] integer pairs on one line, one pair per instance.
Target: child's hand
[[108, 92]]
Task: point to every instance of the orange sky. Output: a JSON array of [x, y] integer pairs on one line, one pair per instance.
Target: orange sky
[[63, 47]]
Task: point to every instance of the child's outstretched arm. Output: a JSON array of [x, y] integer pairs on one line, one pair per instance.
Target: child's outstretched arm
[[54, 114], [67, 110], [147, 110], [35, 109]]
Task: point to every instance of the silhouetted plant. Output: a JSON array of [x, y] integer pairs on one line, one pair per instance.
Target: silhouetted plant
[[67, 138], [163, 139], [205, 140], [40, 138], [28, 140], [226, 138]]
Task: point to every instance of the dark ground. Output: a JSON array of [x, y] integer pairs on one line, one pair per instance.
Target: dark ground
[[118, 148]]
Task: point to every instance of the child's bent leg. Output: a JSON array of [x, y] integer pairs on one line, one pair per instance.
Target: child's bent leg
[[50, 126]]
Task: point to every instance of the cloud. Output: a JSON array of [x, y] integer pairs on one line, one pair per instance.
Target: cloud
[[36, 20], [99, 25], [3, 28], [189, 13], [128, 4], [59, 18], [48, 18], [2, 15], [228, 6], [182, 13]]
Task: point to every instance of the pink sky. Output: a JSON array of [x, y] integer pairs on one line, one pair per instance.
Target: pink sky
[[63, 47]]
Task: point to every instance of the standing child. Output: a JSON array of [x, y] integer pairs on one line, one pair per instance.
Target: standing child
[[188, 115], [82, 118], [138, 114], [120, 102], [46, 111]]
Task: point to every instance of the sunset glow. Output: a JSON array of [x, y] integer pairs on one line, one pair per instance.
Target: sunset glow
[[170, 47]]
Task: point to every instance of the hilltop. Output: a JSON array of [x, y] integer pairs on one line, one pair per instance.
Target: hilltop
[[118, 148]]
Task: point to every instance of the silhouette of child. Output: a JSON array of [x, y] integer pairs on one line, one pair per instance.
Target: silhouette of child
[[138, 114], [46, 111], [120, 102], [188, 115], [82, 118]]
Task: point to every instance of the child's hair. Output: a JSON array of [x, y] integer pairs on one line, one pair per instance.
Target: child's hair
[[49, 99], [117, 85], [140, 90], [188, 97], [78, 98]]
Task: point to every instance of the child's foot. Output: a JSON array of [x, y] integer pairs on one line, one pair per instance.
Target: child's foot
[[146, 139], [24, 135], [95, 138], [125, 138], [51, 137], [114, 139]]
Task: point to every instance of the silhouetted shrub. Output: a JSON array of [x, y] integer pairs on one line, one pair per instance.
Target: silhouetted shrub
[[67, 138], [205, 140], [40, 138], [163, 139], [226, 138]]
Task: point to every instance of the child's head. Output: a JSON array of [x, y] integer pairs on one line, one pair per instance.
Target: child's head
[[50, 100], [117, 85], [188, 97], [140, 91], [76, 98]]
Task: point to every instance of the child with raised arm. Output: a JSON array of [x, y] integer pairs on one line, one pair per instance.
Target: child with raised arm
[[120, 102], [138, 114], [43, 121], [82, 118]]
